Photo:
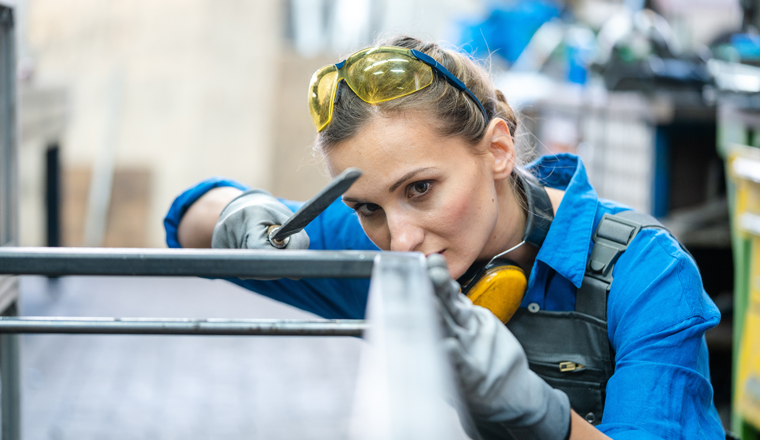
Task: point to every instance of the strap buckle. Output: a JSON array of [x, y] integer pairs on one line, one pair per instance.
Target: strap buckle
[[611, 239]]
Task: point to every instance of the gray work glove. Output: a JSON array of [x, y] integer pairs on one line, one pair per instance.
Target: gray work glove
[[244, 222], [505, 397]]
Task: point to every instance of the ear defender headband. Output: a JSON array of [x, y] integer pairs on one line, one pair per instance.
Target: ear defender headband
[[500, 285]]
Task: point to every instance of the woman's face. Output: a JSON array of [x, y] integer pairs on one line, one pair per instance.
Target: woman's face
[[426, 193]]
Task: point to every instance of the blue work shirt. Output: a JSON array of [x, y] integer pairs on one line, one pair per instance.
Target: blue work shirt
[[657, 311]]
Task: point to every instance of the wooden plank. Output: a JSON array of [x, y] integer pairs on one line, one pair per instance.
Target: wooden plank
[[127, 223]]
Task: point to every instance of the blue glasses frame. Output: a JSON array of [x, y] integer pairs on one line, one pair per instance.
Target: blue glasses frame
[[451, 78]]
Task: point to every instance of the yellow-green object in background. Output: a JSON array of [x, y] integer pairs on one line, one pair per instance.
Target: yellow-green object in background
[[747, 396], [744, 174]]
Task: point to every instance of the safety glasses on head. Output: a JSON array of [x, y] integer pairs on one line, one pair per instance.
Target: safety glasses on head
[[375, 75]]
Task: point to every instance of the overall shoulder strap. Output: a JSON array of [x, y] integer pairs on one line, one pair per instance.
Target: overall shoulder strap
[[611, 238], [646, 221]]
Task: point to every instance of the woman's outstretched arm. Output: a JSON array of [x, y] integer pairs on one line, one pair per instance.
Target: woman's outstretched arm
[[197, 225]]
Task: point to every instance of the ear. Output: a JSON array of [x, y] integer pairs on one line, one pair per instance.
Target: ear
[[502, 148]]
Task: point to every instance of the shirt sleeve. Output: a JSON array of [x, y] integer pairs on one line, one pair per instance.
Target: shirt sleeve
[[337, 228], [658, 313], [187, 198]]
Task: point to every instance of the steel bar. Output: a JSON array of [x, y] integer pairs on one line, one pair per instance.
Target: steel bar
[[10, 380], [180, 326], [213, 263], [9, 193], [10, 374]]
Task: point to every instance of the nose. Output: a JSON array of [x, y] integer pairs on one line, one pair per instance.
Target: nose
[[406, 234]]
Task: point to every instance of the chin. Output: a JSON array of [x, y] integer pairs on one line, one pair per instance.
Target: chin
[[456, 274], [456, 269]]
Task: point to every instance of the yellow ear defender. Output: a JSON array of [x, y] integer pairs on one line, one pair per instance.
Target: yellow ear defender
[[500, 285]]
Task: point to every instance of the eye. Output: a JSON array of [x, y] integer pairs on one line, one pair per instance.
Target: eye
[[366, 209], [418, 188]]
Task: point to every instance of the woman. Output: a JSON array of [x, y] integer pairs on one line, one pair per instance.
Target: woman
[[442, 175]]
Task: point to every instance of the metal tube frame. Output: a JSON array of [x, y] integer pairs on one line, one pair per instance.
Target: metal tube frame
[[403, 377], [183, 262], [180, 326], [212, 263], [10, 380]]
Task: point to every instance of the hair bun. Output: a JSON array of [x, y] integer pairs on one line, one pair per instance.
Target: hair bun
[[500, 96]]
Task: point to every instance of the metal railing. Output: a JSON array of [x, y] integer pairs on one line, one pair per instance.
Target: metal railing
[[235, 263], [181, 326], [184, 262], [10, 388], [402, 376]]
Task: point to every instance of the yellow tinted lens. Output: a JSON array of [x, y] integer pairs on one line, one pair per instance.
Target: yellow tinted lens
[[382, 74], [321, 95]]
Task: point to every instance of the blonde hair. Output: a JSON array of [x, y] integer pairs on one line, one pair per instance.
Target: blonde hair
[[455, 114]]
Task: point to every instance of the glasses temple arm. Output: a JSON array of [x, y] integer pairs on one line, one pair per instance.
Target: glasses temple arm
[[456, 82]]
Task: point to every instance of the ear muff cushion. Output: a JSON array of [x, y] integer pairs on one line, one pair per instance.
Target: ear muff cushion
[[500, 290]]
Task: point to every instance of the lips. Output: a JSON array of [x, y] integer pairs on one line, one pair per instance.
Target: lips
[[439, 252]]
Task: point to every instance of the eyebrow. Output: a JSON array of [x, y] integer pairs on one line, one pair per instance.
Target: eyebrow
[[351, 200], [393, 187], [407, 176]]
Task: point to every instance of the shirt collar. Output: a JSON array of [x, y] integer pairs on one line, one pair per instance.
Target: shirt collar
[[567, 243]]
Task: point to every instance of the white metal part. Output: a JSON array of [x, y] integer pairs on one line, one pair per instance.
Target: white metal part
[[403, 376], [747, 169]]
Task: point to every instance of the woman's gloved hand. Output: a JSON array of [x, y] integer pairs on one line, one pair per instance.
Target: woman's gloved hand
[[243, 223], [503, 394]]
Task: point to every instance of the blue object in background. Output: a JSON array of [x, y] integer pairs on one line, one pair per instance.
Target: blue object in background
[[508, 28], [580, 45], [577, 67], [747, 45]]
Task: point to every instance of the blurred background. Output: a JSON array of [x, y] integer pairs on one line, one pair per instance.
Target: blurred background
[[143, 99], [147, 98], [122, 105]]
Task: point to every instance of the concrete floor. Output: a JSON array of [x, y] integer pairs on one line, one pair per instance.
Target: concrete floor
[[178, 387]]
